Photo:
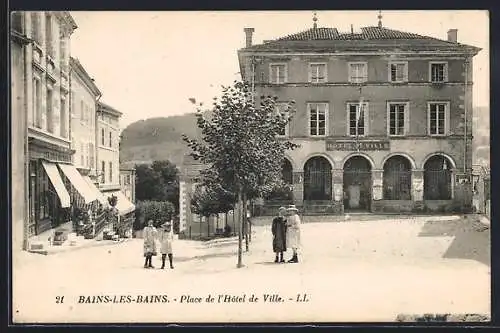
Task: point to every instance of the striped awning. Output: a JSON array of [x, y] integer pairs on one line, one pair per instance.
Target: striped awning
[[78, 182], [100, 196], [56, 180]]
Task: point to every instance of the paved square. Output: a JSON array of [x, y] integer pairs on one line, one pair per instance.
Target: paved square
[[349, 271]]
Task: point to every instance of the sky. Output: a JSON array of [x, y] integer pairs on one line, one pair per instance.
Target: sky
[[149, 64]]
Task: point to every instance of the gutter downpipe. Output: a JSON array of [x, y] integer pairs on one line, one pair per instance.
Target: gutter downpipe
[[27, 176], [465, 111]]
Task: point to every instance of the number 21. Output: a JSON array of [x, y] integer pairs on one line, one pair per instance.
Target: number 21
[[59, 299]]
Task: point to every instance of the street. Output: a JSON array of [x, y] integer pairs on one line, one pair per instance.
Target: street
[[348, 271]]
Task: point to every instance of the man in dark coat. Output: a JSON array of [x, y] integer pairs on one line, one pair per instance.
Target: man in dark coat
[[279, 235]]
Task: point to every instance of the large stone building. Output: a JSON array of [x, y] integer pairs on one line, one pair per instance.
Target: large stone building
[[48, 119], [54, 116], [383, 117]]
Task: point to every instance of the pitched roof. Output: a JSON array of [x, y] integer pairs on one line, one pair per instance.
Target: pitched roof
[[328, 39]]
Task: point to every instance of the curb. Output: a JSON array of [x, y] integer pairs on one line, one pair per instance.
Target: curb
[[71, 248]]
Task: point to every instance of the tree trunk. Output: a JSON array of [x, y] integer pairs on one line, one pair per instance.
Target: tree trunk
[[208, 226], [240, 231], [245, 220]]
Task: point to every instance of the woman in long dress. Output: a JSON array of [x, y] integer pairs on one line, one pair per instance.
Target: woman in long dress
[[149, 235], [279, 235], [166, 238], [293, 232]]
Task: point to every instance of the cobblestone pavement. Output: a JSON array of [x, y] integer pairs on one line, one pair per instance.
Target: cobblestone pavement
[[352, 271]]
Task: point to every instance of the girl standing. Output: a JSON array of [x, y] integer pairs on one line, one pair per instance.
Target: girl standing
[[149, 235], [166, 239]]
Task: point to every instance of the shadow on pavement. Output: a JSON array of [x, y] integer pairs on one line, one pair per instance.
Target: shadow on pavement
[[206, 256], [471, 238]]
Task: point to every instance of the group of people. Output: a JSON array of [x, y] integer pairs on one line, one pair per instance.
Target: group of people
[[285, 229], [286, 233], [165, 236]]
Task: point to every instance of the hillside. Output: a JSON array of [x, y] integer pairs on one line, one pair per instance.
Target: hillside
[[160, 138]]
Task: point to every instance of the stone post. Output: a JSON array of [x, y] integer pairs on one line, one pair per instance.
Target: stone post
[[338, 189], [377, 189], [417, 185], [298, 187]]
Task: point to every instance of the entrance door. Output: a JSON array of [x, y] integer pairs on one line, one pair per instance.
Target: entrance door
[[357, 184]]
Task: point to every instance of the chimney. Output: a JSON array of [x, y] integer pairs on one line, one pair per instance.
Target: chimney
[[452, 35], [248, 36]]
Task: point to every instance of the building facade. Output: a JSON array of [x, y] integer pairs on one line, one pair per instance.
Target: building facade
[[108, 153], [48, 122], [19, 141], [383, 117], [84, 96], [108, 157], [127, 182]]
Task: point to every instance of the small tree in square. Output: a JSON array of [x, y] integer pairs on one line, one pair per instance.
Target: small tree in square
[[240, 146]]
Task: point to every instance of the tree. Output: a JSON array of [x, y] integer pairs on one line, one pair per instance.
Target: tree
[[158, 182], [240, 146]]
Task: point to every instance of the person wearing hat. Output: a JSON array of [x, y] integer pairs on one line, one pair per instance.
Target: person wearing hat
[[279, 234], [293, 232], [166, 238], [149, 235]]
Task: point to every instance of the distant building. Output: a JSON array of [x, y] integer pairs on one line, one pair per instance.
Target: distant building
[[108, 156], [127, 182], [383, 117]]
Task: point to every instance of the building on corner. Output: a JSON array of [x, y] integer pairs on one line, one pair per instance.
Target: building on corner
[[383, 117]]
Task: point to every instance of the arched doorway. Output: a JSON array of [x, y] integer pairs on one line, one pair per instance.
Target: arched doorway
[[397, 178], [357, 184], [317, 179], [437, 178]]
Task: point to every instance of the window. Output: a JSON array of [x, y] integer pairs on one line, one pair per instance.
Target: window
[[102, 136], [358, 72], [110, 139], [110, 172], [49, 35], [317, 73], [50, 110], [82, 111], [63, 117], [357, 119], [283, 109], [103, 170], [278, 73], [87, 153], [36, 27], [37, 103], [63, 51], [438, 72], [438, 118], [398, 72], [318, 117], [91, 155], [82, 155], [398, 118], [16, 21]]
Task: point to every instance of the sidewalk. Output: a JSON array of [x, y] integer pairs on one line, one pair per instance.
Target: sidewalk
[[81, 244]]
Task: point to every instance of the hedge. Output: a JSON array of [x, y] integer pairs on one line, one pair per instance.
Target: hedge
[[158, 211]]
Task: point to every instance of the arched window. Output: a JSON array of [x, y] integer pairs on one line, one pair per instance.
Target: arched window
[[397, 178], [317, 179], [437, 178]]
